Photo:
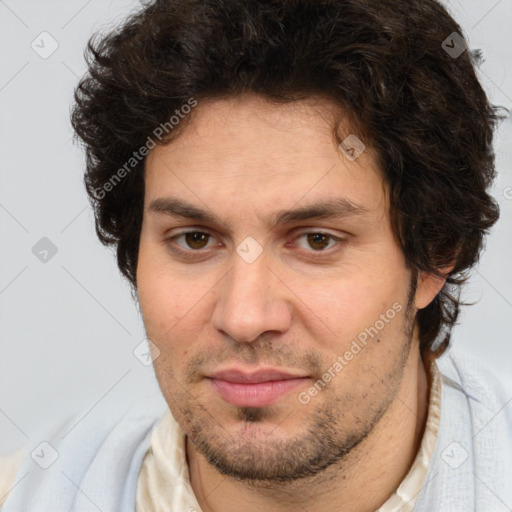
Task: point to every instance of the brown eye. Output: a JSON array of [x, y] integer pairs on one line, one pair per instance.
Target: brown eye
[[195, 239], [318, 241]]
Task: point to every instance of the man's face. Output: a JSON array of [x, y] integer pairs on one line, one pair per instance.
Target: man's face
[[281, 344]]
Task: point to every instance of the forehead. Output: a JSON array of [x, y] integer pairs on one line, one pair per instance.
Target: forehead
[[247, 150], [251, 120]]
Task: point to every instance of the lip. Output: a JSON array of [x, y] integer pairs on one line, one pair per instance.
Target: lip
[[257, 389], [255, 377]]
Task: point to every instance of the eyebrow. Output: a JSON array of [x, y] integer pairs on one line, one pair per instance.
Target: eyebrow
[[334, 208]]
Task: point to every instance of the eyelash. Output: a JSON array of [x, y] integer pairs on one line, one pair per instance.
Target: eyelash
[[191, 253]]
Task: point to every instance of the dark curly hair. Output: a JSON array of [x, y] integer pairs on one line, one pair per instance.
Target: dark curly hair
[[384, 62]]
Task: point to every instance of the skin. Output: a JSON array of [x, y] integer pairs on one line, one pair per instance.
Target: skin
[[297, 307]]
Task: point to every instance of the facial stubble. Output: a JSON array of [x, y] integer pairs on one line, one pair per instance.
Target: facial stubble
[[270, 459]]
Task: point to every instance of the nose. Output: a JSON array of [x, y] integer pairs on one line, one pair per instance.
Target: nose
[[252, 300]]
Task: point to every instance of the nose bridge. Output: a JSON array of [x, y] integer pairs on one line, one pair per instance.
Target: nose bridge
[[249, 301]]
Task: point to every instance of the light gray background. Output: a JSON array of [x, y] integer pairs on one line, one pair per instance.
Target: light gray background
[[69, 326]]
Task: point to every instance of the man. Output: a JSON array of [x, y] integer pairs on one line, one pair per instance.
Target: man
[[296, 190]]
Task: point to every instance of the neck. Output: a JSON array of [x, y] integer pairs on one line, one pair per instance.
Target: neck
[[365, 479]]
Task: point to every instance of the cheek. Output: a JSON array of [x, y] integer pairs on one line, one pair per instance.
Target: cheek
[[175, 316], [169, 311], [346, 307], [164, 297]]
